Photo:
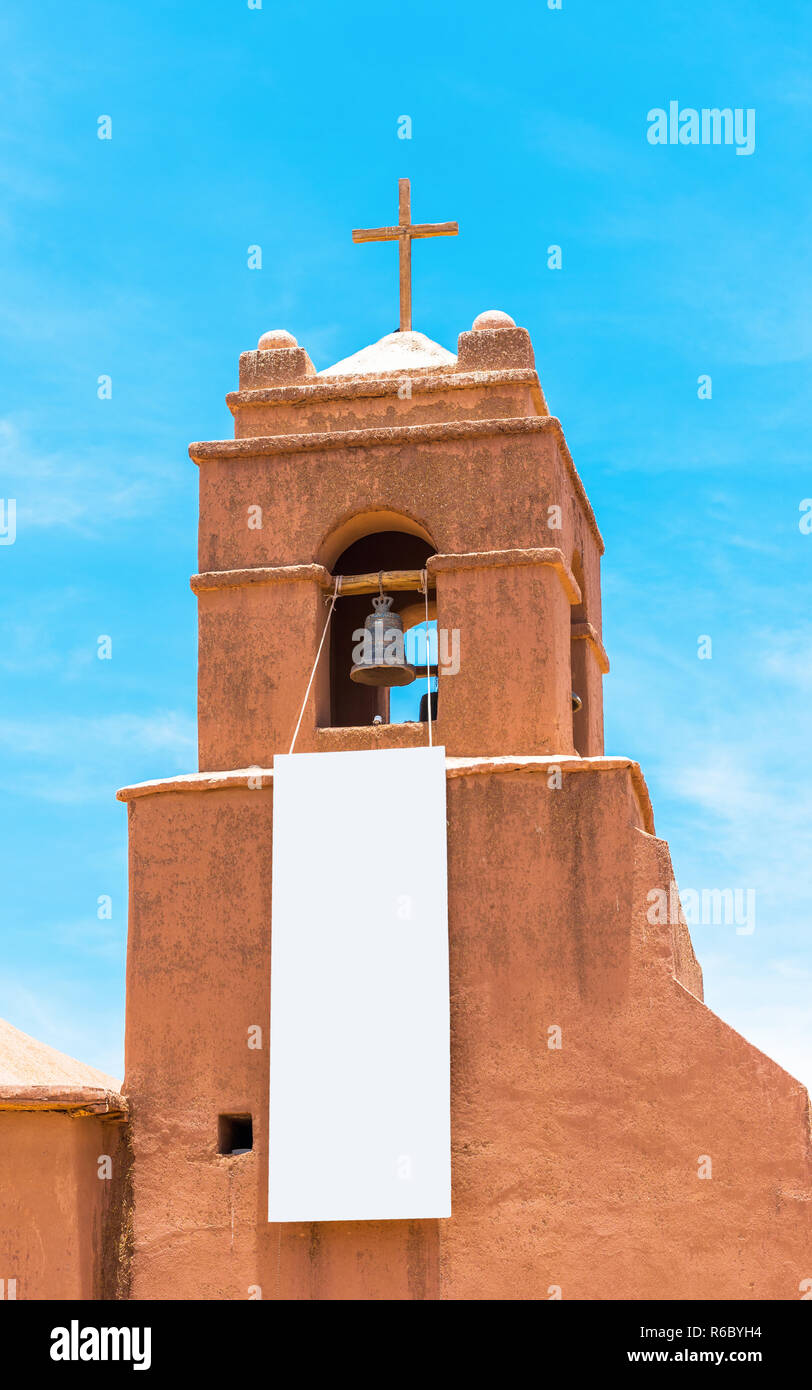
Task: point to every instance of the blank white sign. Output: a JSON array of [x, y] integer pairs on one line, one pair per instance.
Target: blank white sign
[[359, 1103]]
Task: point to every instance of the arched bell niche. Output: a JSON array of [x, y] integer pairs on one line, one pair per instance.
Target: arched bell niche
[[372, 552]]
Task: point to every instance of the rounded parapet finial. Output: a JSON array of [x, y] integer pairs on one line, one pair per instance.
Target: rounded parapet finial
[[277, 361], [493, 318], [276, 338], [493, 343]]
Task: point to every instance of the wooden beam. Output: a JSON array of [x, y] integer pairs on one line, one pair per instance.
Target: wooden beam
[[394, 582], [419, 230], [405, 255], [423, 229], [376, 234]]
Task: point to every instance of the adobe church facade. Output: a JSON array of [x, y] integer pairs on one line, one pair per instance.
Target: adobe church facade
[[611, 1137]]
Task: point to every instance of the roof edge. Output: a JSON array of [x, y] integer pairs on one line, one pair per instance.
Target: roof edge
[[262, 777], [382, 384], [73, 1100]]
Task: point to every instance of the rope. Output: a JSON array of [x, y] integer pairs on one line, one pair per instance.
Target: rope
[[336, 593], [425, 578]]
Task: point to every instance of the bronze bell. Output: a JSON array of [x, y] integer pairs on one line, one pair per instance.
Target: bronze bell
[[576, 702], [381, 653]]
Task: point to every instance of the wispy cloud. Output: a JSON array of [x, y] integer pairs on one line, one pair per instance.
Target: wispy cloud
[[33, 642], [66, 1013], [74, 759], [721, 744], [74, 489]]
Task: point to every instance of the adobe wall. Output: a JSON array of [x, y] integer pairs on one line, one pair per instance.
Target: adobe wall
[[60, 1223], [357, 404], [578, 1168], [476, 485], [257, 643], [574, 1167]]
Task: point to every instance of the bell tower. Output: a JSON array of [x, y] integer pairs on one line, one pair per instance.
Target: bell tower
[[586, 1073], [405, 466]]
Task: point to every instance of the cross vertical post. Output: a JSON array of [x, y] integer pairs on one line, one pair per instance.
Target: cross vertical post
[[405, 255]]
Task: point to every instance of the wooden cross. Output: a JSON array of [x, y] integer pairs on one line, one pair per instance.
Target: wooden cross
[[404, 233]]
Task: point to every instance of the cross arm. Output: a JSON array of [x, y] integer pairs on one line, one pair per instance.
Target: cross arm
[[418, 229], [376, 234], [435, 229]]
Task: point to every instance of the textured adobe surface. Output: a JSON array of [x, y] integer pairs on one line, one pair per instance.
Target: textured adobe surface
[[575, 1167], [590, 1084]]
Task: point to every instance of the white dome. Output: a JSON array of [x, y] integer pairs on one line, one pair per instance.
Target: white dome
[[397, 352]]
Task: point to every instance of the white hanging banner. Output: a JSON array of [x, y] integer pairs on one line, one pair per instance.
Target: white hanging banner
[[359, 1100]]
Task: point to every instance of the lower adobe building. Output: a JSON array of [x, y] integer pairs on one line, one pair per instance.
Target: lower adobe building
[[64, 1174], [611, 1137]]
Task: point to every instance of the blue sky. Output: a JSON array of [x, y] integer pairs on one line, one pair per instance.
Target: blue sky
[[278, 126]]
